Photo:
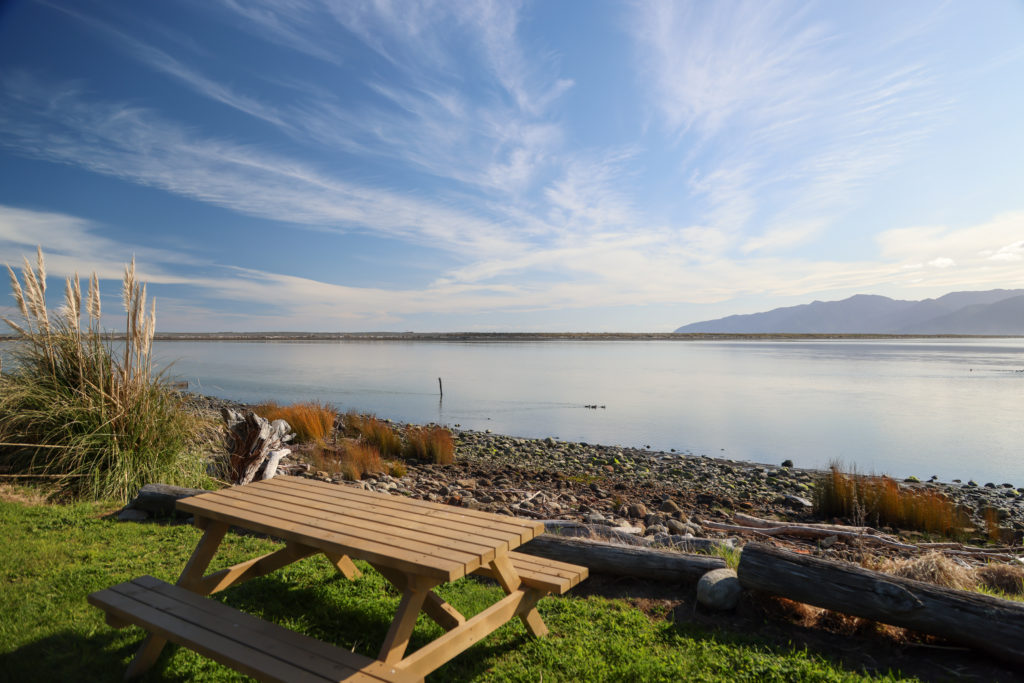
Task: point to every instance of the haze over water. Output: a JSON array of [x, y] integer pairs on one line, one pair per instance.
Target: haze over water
[[920, 407]]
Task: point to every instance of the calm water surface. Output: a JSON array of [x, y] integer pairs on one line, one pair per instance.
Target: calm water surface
[[951, 408]]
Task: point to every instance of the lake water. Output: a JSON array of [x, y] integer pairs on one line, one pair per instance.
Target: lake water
[[951, 408]]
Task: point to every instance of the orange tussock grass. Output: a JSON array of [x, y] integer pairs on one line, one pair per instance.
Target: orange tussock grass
[[430, 443], [374, 432], [350, 458], [881, 501], [311, 421]]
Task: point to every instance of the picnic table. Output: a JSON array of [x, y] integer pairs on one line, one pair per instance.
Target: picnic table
[[416, 545]]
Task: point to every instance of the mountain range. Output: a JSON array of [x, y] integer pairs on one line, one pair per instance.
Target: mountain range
[[995, 311]]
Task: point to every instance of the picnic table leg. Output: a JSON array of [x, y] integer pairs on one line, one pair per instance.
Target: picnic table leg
[[446, 616], [509, 581], [192, 574], [147, 655], [344, 565], [153, 645], [417, 588]]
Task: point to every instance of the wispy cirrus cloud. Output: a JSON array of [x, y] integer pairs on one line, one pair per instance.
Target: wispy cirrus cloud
[[61, 125], [786, 120]]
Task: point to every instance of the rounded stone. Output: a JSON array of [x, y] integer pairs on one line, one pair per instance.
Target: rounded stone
[[132, 516], [719, 589]]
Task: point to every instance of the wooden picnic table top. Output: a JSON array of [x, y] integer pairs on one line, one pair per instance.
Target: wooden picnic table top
[[424, 538]]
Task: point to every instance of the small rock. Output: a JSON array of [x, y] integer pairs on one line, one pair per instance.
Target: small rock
[[669, 506], [676, 527], [636, 511], [656, 529], [719, 589], [594, 518], [132, 516]]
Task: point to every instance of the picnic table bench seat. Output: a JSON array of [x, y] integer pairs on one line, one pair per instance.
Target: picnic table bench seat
[[550, 576], [258, 648]]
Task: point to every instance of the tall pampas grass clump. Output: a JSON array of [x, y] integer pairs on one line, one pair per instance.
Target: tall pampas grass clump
[[90, 414]]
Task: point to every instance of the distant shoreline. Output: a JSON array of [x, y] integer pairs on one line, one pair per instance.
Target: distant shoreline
[[533, 336], [537, 336]]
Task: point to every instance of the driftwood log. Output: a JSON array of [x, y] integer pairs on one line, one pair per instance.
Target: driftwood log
[[603, 532], [255, 445], [990, 624], [810, 532], [748, 520], [621, 560], [159, 499]]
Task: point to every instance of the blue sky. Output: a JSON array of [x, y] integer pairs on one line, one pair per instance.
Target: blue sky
[[571, 165]]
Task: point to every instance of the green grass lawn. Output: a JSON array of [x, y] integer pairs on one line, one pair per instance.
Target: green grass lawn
[[54, 555]]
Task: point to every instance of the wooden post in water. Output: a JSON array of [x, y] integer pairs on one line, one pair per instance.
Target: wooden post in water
[[440, 387]]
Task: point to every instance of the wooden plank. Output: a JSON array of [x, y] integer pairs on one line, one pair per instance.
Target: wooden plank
[[377, 509], [228, 622], [548, 584], [381, 534], [297, 642], [437, 652], [217, 638], [529, 527], [521, 528], [550, 576], [334, 542], [548, 566], [339, 518], [251, 569]]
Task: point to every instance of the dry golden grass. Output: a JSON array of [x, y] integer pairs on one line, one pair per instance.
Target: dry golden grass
[[351, 458], [1003, 578], [374, 432], [396, 468], [311, 421], [434, 444], [881, 501], [933, 568]]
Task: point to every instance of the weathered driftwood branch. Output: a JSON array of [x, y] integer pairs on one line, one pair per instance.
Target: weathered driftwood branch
[[981, 621], [747, 520], [159, 499], [621, 560], [809, 532], [250, 440]]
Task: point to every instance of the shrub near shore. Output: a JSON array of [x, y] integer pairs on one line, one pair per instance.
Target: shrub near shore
[[95, 418]]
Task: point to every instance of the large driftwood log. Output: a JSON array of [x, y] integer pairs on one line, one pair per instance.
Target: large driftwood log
[[981, 621], [250, 440], [621, 560], [159, 499]]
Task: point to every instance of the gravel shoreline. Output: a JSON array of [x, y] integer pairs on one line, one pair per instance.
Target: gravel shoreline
[[643, 492]]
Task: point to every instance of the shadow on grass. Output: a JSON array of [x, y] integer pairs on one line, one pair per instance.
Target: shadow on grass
[[329, 618], [319, 613], [71, 656]]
